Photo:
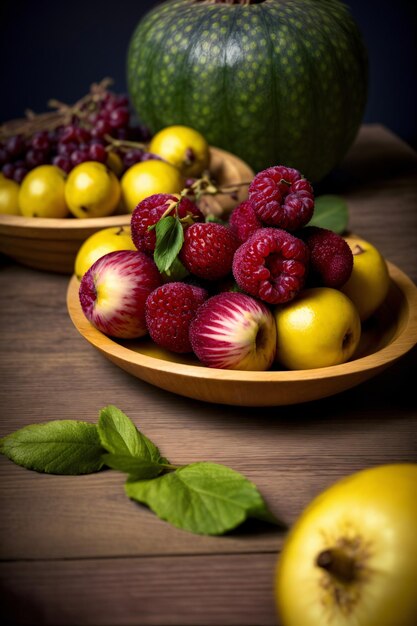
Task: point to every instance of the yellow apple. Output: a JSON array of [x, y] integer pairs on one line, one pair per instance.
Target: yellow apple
[[368, 284], [42, 193], [183, 147], [351, 558], [319, 328], [9, 194], [99, 244], [92, 190], [148, 178]]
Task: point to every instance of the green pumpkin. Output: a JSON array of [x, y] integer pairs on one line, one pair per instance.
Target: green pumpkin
[[273, 81]]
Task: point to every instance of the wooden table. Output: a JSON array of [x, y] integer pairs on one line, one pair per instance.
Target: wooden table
[[76, 551]]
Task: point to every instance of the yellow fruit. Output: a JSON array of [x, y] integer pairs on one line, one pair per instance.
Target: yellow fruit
[[42, 193], [99, 244], [184, 147], [369, 282], [92, 190], [321, 327], [351, 558], [147, 178], [9, 194]]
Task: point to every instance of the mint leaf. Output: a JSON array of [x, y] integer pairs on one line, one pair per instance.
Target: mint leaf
[[204, 498], [176, 271], [134, 466], [330, 212], [56, 447], [119, 435], [169, 240]]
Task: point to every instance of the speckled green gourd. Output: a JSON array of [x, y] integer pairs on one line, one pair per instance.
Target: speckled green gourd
[[275, 82]]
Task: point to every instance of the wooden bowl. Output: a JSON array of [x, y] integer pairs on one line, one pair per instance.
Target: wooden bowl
[[52, 244], [388, 335]]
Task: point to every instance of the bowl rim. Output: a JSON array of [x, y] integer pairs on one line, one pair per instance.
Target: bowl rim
[[67, 223], [400, 345]]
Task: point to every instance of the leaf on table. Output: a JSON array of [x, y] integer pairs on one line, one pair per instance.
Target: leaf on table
[[119, 435], [203, 498], [331, 212], [169, 240], [136, 467], [57, 447]]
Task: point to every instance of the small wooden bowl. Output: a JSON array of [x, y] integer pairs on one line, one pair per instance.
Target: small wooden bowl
[[388, 335], [52, 244]]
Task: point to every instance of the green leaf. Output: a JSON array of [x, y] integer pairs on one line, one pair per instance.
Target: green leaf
[[56, 447], [330, 212], [119, 435], [169, 240], [203, 498], [134, 466], [176, 271]]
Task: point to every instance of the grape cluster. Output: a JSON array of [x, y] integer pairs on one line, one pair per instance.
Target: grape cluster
[[98, 125]]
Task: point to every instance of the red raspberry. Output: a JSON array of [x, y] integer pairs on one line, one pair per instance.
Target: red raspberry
[[169, 311], [281, 197], [331, 259], [208, 250], [272, 265], [149, 212], [243, 221]]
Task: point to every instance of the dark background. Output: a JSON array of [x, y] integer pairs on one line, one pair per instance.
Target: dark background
[[54, 49]]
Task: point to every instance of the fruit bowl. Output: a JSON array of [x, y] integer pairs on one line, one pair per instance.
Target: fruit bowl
[[388, 335], [52, 244]]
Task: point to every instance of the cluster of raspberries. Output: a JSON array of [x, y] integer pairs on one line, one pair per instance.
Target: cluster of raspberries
[[265, 251]]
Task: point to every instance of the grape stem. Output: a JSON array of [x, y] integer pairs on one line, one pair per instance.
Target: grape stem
[[122, 143], [62, 116]]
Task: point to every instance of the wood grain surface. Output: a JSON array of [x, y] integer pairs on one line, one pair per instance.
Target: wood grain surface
[[75, 550]]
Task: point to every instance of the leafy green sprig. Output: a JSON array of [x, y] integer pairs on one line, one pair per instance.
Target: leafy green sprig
[[203, 498]]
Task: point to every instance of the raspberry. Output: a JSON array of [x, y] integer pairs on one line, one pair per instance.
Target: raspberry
[[169, 311], [272, 265], [243, 221], [149, 212], [331, 259], [281, 197], [208, 250]]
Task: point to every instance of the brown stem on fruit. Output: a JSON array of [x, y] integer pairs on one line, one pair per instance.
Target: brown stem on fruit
[[206, 187], [338, 564], [346, 340], [62, 116], [189, 156], [172, 204], [357, 250]]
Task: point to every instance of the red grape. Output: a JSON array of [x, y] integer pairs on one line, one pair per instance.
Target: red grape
[[97, 152]]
